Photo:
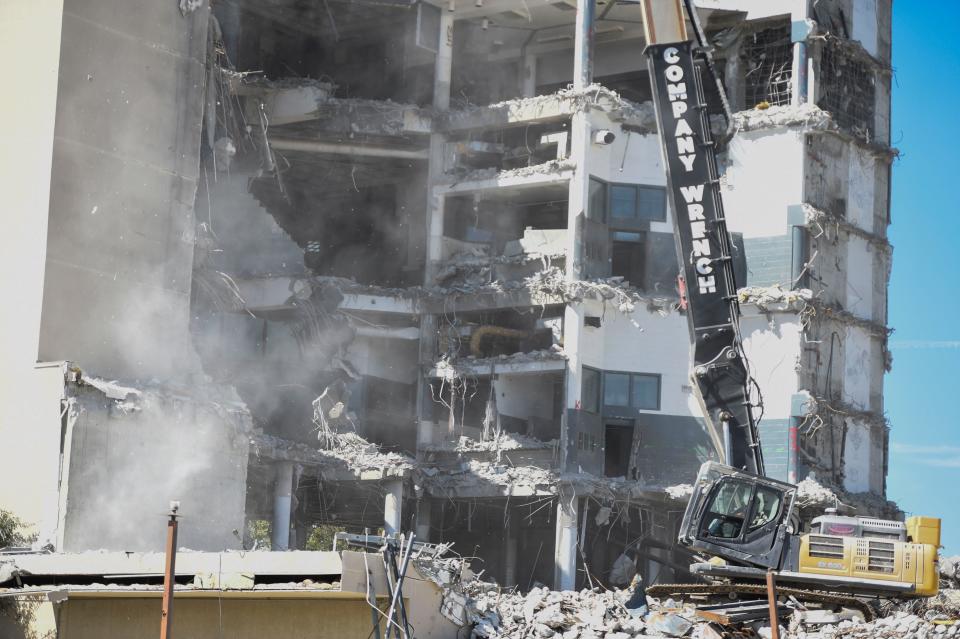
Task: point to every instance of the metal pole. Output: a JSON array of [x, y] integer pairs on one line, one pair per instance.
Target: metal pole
[[282, 503], [583, 45], [772, 600], [166, 610]]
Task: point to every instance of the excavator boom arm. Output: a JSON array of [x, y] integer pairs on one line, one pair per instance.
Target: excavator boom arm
[[720, 371]]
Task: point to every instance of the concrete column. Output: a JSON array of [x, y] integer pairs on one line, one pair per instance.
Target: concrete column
[[392, 507], [424, 512], [529, 88], [583, 44], [428, 355], [443, 66], [510, 553], [565, 568], [443, 70], [282, 499]]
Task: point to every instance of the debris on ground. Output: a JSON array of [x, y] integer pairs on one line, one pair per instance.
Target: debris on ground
[[493, 612]]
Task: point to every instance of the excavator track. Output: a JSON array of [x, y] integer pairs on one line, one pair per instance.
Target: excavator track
[[801, 594]]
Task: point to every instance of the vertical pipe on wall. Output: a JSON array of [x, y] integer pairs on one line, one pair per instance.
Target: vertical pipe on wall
[[282, 500], [583, 44]]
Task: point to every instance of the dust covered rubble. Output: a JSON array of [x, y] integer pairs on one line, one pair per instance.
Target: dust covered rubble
[[587, 614], [491, 612], [604, 614]]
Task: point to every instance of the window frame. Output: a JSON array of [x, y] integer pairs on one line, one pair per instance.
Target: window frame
[[630, 395], [659, 380], [598, 400], [635, 222]]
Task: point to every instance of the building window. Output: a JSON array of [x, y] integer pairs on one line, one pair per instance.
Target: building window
[[616, 389], [645, 392], [597, 204], [628, 257], [590, 393], [652, 203], [623, 202], [619, 204], [634, 390]]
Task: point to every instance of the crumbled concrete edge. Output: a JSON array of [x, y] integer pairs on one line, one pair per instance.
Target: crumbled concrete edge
[[819, 222], [807, 116]]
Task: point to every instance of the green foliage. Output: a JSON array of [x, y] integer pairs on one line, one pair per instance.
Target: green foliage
[[258, 531], [321, 536], [11, 530]]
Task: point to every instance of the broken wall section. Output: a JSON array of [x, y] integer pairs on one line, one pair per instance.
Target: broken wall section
[[128, 452]]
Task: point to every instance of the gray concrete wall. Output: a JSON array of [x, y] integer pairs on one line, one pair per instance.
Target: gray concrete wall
[[126, 459], [672, 447], [125, 165]]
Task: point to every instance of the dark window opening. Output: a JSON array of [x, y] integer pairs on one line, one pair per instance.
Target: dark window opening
[[628, 257], [592, 321], [618, 444], [597, 204], [633, 86], [768, 57], [849, 91], [590, 394]]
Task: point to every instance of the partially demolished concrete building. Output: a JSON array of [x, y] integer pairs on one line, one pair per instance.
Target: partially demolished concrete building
[[408, 265]]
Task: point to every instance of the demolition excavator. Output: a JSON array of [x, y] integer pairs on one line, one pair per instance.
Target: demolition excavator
[[745, 521]]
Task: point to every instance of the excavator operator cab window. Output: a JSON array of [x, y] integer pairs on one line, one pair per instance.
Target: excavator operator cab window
[[736, 503], [766, 507], [728, 510]]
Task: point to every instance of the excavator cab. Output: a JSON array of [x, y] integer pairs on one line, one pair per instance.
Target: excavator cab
[[738, 515]]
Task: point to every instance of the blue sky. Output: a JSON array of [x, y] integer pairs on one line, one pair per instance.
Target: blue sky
[[921, 393]]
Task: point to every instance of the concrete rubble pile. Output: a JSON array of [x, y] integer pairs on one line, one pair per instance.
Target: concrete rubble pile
[[492, 612], [603, 614]]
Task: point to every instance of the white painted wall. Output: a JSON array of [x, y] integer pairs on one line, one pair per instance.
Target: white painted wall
[[860, 272], [643, 342], [856, 456], [861, 188], [858, 367], [772, 344], [763, 178], [865, 24], [525, 396], [632, 158], [30, 432], [29, 399]]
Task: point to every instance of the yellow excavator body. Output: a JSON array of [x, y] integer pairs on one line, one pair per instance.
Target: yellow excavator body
[[878, 559]]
